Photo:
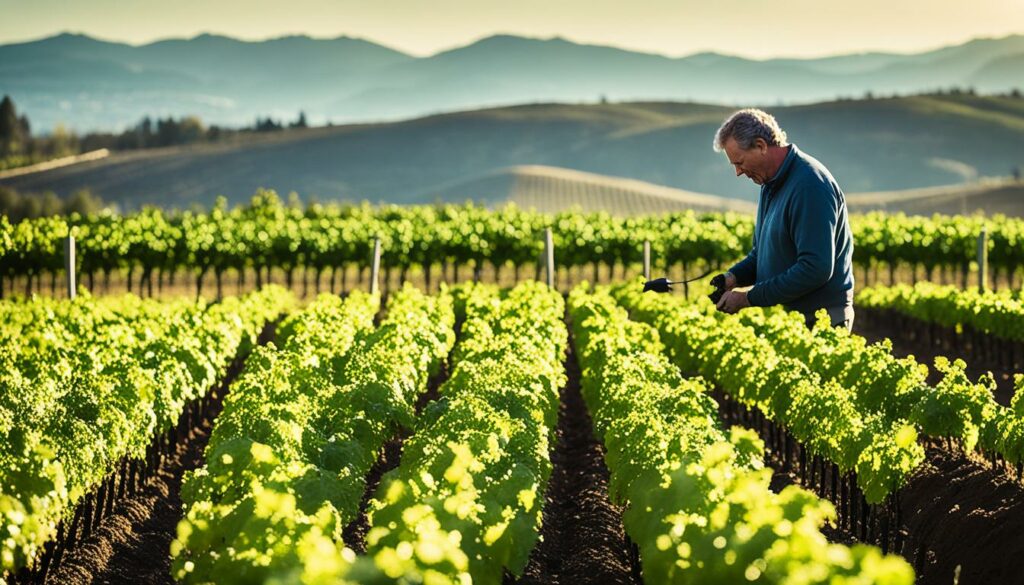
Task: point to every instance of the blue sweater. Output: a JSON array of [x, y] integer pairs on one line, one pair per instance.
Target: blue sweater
[[803, 249]]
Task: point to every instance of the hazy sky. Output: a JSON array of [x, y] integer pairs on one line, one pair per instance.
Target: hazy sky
[[754, 28]]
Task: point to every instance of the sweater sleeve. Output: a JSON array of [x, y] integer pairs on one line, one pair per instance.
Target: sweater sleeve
[[745, 270], [812, 223]]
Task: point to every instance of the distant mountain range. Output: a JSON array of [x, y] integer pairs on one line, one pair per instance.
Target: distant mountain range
[[869, 145], [87, 84]]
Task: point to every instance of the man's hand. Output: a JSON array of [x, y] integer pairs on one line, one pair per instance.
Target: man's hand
[[732, 301]]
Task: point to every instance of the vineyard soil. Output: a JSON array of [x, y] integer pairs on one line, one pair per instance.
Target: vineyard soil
[[354, 535], [132, 545], [958, 512], [583, 538]]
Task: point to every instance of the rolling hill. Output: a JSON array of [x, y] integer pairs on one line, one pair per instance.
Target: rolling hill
[[991, 197], [869, 145], [552, 189]]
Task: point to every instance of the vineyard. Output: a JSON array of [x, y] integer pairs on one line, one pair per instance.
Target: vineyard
[[317, 248], [467, 423]]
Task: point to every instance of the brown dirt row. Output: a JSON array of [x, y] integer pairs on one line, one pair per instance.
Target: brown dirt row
[[354, 535], [132, 545], [582, 537], [582, 541], [958, 516], [961, 515]]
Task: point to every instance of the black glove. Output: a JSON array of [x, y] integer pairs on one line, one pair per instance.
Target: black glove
[[660, 285], [719, 283]]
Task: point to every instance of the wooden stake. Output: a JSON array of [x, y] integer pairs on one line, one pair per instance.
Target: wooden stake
[[375, 267], [549, 257], [983, 259], [647, 259]]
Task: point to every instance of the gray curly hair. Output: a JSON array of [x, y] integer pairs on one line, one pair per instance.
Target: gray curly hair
[[745, 126]]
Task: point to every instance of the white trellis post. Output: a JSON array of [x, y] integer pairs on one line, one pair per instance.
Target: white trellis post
[[69, 264], [647, 259]]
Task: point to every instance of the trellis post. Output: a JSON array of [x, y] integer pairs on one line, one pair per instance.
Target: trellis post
[[647, 259], [375, 267], [549, 257], [69, 264], [983, 259]]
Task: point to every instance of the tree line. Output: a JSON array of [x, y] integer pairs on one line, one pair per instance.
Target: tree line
[[18, 147], [18, 206]]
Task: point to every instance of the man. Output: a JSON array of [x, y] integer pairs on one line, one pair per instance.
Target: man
[[802, 256]]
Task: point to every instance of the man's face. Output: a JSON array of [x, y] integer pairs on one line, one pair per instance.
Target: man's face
[[753, 162]]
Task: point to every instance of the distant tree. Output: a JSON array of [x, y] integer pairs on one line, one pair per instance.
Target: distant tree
[[17, 206], [49, 204], [96, 140], [28, 208], [10, 128], [84, 202], [1015, 93], [10, 203], [267, 125], [144, 131], [1017, 171], [190, 130], [62, 142], [301, 121], [868, 95], [28, 144], [604, 99], [168, 132]]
